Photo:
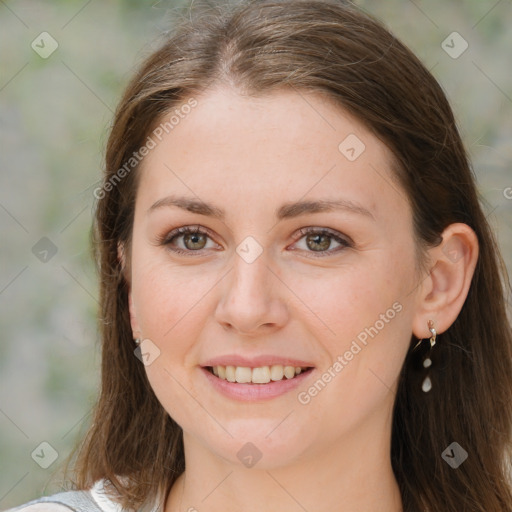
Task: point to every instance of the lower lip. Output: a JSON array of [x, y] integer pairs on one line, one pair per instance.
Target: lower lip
[[255, 392]]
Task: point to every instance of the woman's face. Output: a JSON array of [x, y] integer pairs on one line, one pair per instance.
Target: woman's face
[[304, 258]]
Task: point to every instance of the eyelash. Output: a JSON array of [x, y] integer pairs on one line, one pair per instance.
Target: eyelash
[[185, 230]]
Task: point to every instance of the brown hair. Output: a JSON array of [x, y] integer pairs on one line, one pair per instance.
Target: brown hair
[[333, 48]]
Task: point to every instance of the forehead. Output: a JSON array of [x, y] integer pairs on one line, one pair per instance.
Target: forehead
[[251, 151]]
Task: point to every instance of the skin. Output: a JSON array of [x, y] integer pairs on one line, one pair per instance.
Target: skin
[[249, 156]]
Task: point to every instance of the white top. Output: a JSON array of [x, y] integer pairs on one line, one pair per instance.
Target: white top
[[103, 501], [97, 492]]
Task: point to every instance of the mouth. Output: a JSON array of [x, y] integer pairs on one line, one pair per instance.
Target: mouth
[[258, 375]]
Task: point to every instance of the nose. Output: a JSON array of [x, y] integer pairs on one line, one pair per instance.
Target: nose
[[251, 300]]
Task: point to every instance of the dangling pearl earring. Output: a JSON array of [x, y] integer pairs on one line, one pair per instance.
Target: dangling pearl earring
[[427, 363], [426, 386]]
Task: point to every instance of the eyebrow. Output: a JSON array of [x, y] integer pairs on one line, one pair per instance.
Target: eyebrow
[[286, 211]]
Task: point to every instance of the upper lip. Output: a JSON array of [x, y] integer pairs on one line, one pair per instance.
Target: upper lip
[[255, 362]]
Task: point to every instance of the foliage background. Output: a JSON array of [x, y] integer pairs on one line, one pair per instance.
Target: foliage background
[[54, 119]]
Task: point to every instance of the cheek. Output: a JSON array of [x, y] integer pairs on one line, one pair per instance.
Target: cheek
[[171, 310], [363, 314], [169, 298], [344, 303]]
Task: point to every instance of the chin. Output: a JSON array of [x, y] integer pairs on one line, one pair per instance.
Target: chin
[[261, 443]]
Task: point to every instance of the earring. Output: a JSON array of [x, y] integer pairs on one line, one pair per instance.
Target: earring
[[426, 386], [137, 341]]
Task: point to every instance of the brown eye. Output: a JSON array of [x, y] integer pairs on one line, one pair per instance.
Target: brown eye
[[195, 241], [321, 241], [188, 240], [318, 242]]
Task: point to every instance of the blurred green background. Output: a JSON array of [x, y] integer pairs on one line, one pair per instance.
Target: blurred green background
[[54, 118]]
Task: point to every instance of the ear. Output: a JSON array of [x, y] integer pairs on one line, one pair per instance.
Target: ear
[[121, 256], [443, 292]]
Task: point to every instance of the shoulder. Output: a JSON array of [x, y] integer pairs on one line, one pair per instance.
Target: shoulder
[[41, 507], [95, 499], [67, 501]]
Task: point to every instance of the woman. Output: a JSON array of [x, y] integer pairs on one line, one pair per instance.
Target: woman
[[301, 304]]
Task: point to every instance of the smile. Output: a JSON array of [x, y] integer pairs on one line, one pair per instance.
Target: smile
[[244, 383], [258, 375]]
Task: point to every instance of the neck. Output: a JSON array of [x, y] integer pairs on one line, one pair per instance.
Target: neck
[[353, 474]]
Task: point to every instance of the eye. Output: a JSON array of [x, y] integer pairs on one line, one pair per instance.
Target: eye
[[187, 240], [194, 239], [321, 241]]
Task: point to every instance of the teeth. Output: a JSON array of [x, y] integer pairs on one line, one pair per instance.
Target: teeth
[[259, 375], [243, 374], [289, 372], [230, 373], [276, 372]]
